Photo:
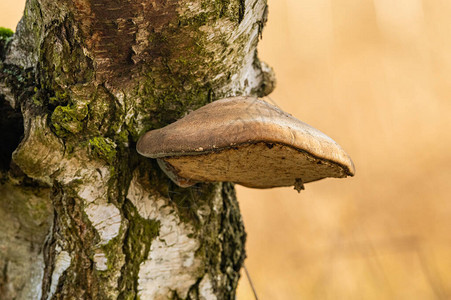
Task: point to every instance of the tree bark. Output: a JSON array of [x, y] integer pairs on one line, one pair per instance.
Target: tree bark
[[84, 216]]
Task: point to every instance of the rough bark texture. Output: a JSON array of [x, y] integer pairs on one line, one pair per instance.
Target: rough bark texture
[[85, 216]]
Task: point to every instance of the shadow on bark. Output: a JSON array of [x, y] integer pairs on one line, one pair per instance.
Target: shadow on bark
[[11, 131]]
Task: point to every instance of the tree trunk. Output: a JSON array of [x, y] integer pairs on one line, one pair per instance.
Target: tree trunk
[[83, 215]]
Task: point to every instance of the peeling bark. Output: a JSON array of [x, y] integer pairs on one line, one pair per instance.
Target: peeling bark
[[88, 77]]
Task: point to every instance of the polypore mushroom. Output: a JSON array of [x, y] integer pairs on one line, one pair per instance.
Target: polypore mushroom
[[246, 141]]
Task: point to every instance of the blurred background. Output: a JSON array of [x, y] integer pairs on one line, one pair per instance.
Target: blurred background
[[375, 75]]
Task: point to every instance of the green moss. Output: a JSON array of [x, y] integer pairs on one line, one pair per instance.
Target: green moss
[[5, 33], [112, 253], [122, 136], [197, 20], [68, 119], [157, 38], [105, 113], [166, 103], [174, 86], [137, 244], [60, 97], [231, 9], [104, 148], [63, 64]]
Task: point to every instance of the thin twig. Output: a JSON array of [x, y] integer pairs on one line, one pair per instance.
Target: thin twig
[[250, 282]]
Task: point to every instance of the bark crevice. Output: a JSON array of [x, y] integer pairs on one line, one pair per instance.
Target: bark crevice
[[11, 132]]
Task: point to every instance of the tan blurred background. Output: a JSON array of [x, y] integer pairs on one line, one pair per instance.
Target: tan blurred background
[[375, 75]]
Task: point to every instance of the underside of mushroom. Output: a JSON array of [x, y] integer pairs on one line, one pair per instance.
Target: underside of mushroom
[[246, 141]]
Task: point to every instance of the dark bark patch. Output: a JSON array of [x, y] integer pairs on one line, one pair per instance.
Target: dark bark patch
[[115, 25], [11, 131], [234, 237], [241, 10]]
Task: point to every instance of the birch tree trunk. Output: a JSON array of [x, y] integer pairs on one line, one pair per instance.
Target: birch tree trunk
[[83, 216]]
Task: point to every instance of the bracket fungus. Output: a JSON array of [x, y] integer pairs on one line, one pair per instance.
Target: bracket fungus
[[246, 141]]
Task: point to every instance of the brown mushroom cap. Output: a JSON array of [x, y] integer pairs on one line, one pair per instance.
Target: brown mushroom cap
[[246, 141]]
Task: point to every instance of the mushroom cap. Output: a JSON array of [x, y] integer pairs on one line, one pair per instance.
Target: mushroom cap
[[246, 141]]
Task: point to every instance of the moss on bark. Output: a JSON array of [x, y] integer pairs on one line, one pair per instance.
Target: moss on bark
[[138, 240]]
